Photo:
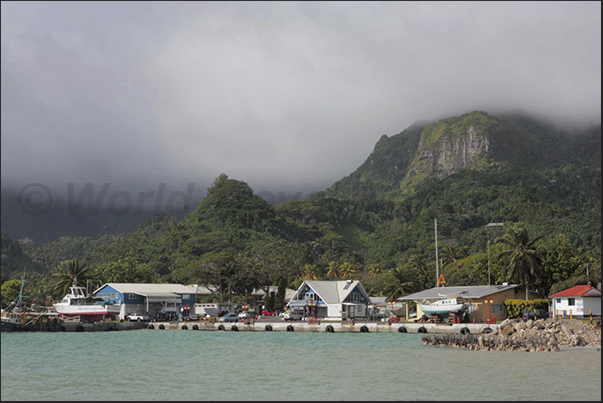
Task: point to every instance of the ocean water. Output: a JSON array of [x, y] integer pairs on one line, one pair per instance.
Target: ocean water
[[209, 365]]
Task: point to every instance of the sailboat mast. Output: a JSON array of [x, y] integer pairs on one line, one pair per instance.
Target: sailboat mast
[[435, 221]]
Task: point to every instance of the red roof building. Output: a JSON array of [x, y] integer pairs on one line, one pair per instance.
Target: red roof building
[[581, 301]]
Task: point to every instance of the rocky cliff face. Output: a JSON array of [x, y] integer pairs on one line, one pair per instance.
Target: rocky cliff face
[[454, 151]]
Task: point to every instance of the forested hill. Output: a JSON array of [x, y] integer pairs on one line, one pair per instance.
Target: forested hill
[[466, 171], [475, 141]]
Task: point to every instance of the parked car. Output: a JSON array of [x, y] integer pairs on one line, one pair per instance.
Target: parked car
[[229, 317], [138, 317], [267, 313], [293, 315], [193, 317], [246, 315], [535, 314]]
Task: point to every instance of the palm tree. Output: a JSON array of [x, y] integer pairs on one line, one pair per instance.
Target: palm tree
[[347, 271], [418, 262], [333, 270], [523, 258], [309, 272], [374, 269], [68, 273], [399, 283]]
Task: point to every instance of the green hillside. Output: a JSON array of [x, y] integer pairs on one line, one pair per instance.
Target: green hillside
[[377, 224]]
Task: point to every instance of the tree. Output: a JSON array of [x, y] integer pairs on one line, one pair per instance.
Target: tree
[[521, 256], [70, 273], [333, 270], [347, 271], [399, 281]]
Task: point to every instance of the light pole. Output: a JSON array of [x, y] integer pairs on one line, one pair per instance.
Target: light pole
[[490, 311]]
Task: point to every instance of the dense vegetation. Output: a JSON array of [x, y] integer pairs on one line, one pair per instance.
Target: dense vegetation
[[371, 225]]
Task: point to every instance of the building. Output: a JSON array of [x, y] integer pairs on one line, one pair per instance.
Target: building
[[149, 299], [485, 301], [579, 301], [336, 300]]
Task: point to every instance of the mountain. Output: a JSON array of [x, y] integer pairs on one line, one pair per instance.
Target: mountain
[[477, 141], [466, 171]]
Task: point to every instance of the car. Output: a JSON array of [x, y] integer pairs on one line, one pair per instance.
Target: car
[[246, 315], [293, 315], [267, 313], [535, 314], [229, 317], [193, 317], [138, 317]]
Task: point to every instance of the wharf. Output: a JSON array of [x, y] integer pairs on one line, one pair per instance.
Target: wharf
[[329, 327], [76, 326]]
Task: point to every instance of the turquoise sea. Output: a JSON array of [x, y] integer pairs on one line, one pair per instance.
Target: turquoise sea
[[204, 365]]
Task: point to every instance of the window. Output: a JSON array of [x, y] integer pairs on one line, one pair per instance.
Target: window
[[110, 295], [571, 301], [497, 309], [558, 300], [133, 296]]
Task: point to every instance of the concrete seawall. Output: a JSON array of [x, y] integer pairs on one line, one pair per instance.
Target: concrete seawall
[[334, 327]]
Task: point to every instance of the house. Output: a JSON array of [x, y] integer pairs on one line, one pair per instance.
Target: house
[[581, 301], [149, 298], [485, 301], [336, 300], [257, 295]]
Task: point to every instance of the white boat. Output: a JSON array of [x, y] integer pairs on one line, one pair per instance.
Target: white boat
[[444, 307], [445, 304], [89, 308]]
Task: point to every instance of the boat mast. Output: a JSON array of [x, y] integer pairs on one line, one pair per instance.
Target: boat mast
[[435, 220]]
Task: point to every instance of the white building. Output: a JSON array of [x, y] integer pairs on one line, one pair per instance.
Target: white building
[[581, 301], [335, 300]]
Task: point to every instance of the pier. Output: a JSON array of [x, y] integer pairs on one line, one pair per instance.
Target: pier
[[328, 327]]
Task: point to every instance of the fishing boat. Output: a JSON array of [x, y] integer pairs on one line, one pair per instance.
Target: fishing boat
[[19, 317], [78, 303]]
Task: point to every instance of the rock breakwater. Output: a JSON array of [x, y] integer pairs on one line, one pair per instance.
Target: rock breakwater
[[539, 335]]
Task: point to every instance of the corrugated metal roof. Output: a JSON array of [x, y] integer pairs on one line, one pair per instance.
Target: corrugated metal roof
[[469, 291], [333, 292], [578, 291], [152, 289]]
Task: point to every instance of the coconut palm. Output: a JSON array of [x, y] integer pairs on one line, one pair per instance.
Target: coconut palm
[[333, 270], [523, 260], [418, 262], [374, 269], [399, 283], [347, 271], [68, 273], [309, 272]]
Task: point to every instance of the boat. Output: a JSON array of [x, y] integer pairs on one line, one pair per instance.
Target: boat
[[78, 304], [444, 307], [19, 317]]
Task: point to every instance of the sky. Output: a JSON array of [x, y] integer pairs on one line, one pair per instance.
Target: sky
[[286, 96]]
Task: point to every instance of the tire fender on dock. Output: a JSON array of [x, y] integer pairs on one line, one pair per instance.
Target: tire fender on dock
[[184, 327], [161, 326], [465, 330], [268, 328], [195, 327], [329, 329], [290, 328], [151, 327], [220, 327], [234, 328], [364, 329], [422, 329], [402, 329]]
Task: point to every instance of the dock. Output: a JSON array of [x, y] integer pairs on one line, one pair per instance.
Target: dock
[[328, 327]]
